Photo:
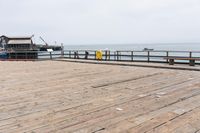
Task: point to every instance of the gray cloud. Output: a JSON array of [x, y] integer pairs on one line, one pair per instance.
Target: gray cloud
[[103, 21]]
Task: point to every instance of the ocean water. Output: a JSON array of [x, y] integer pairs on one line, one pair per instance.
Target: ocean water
[[158, 46]]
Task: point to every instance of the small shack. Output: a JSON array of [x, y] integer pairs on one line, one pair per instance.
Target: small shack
[[19, 47]]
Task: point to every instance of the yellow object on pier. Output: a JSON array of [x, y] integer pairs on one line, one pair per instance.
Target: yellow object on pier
[[99, 55]]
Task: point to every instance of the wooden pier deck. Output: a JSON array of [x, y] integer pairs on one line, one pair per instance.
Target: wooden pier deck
[[64, 97]]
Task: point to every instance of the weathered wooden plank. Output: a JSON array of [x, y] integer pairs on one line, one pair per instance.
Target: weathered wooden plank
[[69, 103], [180, 121]]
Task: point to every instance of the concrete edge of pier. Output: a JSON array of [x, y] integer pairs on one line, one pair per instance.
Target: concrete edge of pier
[[136, 64]]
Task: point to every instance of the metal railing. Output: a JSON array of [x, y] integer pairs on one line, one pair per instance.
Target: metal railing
[[129, 56], [133, 56]]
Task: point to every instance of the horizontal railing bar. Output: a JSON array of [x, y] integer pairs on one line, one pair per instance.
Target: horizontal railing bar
[[134, 51], [155, 51], [119, 55]]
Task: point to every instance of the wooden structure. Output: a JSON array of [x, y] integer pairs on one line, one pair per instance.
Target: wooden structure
[[18, 43], [140, 56], [63, 97], [19, 47]]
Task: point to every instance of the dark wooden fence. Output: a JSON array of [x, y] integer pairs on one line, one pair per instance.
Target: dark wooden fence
[[129, 56], [133, 56]]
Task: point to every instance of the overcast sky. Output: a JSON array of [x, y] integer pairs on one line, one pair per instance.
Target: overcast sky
[[102, 21]]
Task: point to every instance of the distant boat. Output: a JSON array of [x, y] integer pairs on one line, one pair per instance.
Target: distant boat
[[147, 49]]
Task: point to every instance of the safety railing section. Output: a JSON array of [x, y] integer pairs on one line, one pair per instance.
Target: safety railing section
[[129, 56], [136, 56], [30, 55]]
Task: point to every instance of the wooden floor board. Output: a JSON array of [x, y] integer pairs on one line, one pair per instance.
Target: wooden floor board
[[61, 97]]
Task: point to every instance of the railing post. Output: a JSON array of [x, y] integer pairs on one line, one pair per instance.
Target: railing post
[[50, 55], [26, 55], [74, 55], [120, 57], [132, 55], [37, 55], [106, 55], [62, 53], [190, 54], [148, 56], [167, 55], [62, 50], [109, 55], [8, 55], [86, 54], [117, 55]]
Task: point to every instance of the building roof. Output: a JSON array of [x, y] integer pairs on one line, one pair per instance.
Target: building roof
[[17, 37], [20, 41]]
